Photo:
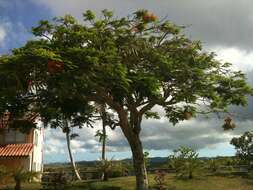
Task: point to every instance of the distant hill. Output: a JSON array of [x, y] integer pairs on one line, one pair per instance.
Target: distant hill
[[154, 162], [92, 163]]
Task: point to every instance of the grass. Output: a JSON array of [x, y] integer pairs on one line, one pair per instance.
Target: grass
[[128, 183]]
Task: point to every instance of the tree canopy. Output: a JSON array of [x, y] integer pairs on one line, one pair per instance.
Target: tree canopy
[[244, 146], [135, 62]]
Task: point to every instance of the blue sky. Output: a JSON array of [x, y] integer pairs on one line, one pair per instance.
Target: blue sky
[[224, 26], [18, 17]]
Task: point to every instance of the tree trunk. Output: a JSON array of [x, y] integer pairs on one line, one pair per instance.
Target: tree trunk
[[70, 154], [134, 141], [139, 164], [18, 185], [190, 175], [104, 174], [103, 141]]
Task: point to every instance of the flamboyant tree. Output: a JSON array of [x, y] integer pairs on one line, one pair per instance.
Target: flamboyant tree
[[41, 94], [131, 64]]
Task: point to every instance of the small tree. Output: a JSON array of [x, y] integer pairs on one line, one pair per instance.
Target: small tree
[[185, 161], [146, 159], [160, 180], [102, 139], [105, 166], [244, 146], [107, 121], [20, 175], [213, 165]]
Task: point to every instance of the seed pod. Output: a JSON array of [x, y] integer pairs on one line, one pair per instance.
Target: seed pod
[[228, 120], [187, 115], [228, 124]]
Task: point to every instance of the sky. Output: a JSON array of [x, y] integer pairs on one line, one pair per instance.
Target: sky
[[224, 27]]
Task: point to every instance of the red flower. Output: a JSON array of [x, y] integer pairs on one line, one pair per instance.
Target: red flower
[[55, 66]]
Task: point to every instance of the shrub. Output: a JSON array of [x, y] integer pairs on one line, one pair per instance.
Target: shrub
[[57, 181], [4, 175], [20, 175], [213, 165], [104, 166], [185, 161], [160, 180]]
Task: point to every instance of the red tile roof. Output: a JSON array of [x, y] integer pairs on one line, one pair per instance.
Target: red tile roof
[[11, 150]]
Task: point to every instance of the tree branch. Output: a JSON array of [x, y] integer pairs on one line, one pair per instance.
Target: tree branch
[[147, 107]]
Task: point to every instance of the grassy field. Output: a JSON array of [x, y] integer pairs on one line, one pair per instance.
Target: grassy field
[[127, 183]]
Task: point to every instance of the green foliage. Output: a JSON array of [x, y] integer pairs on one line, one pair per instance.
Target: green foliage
[[146, 159], [57, 181], [160, 180], [153, 115], [104, 166], [185, 161], [3, 174], [100, 135], [244, 146], [23, 125], [213, 165], [20, 175], [119, 169], [151, 63]]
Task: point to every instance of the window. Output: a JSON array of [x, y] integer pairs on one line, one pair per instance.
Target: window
[[36, 138], [12, 136], [20, 137]]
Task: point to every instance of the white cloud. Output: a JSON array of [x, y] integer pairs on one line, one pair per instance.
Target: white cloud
[[241, 59], [12, 32], [2, 34], [156, 135]]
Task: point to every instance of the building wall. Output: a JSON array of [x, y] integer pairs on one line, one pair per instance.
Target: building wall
[[13, 163], [36, 136], [37, 161], [1, 137], [15, 137]]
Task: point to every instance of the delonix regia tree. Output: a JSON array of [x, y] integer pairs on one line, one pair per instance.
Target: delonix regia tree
[[132, 64], [42, 95]]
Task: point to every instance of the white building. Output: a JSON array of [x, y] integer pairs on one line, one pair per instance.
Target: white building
[[21, 149]]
